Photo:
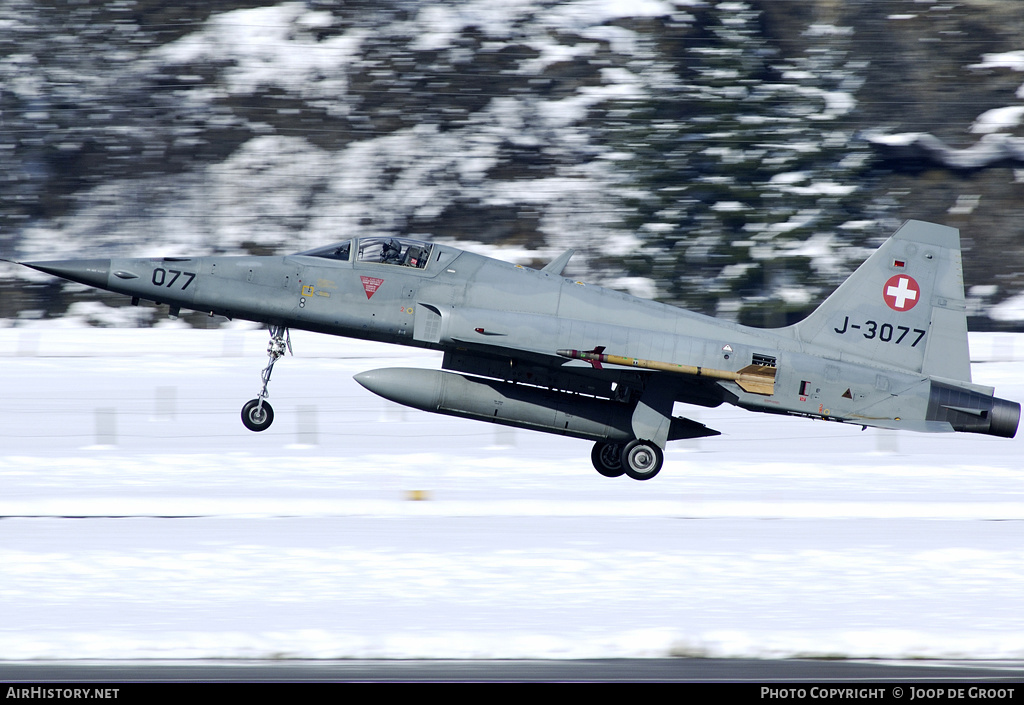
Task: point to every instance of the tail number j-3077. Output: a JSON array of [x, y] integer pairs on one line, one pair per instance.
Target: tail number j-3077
[[886, 332]]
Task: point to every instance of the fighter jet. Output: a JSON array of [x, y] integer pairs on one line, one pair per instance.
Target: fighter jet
[[537, 350]]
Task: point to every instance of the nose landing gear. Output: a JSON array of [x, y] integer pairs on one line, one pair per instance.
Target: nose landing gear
[[257, 414]]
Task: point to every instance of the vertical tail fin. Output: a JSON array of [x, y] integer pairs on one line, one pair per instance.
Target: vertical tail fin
[[904, 307]]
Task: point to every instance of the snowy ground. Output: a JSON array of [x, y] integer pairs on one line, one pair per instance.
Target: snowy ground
[[143, 521]]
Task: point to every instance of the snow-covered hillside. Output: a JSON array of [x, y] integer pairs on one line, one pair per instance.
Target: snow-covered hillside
[[710, 153]]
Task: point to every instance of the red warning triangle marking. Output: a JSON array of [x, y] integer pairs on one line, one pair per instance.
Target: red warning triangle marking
[[370, 285]]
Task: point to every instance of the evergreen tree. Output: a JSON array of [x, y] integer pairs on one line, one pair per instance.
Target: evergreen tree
[[736, 163]]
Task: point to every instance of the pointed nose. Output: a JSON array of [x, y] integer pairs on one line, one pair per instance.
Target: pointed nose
[[420, 389], [94, 272]]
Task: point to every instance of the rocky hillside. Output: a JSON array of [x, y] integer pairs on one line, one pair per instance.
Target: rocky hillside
[[734, 157]]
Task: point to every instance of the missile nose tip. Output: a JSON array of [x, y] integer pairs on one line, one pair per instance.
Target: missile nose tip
[[93, 272]]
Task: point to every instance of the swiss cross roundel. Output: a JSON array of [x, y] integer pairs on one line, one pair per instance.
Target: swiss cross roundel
[[901, 293]]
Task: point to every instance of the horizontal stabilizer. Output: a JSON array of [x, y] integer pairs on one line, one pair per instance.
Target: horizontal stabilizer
[[908, 425], [682, 429]]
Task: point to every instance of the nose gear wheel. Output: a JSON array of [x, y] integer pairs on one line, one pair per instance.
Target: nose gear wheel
[[257, 414]]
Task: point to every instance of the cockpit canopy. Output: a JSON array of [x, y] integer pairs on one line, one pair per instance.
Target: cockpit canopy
[[338, 251], [385, 250]]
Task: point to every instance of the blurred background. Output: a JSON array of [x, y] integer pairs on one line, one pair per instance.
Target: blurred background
[[738, 158]]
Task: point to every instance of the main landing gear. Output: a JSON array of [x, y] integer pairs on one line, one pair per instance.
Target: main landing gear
[[257, 414], [640, 460]]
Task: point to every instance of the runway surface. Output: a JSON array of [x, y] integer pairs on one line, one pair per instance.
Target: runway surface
[[579, 671]]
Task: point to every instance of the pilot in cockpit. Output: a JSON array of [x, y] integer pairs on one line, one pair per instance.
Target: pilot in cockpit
[[391, 253]]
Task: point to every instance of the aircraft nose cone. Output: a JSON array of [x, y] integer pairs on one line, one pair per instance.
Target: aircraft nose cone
[[93, 272]]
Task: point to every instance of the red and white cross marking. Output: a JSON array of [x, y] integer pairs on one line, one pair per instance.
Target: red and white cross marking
[[901, 293]]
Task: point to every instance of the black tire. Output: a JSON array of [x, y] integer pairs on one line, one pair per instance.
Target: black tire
[[255, 417], [642, 460], [607, 459]]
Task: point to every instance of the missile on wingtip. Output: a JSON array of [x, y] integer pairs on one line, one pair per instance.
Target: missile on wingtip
[[754, 379]]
